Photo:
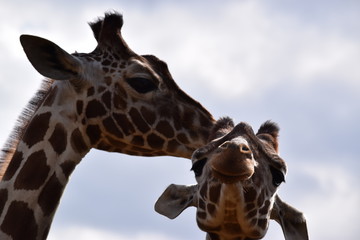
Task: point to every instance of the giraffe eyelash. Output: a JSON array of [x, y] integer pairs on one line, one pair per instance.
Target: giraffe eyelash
[[141, 85]]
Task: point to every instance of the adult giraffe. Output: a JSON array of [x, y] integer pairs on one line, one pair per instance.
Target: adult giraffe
[[110, 99]]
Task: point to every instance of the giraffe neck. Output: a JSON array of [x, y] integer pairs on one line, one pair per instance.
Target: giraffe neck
[[214, 236], [53, 141], [231, 211], [30, 191]]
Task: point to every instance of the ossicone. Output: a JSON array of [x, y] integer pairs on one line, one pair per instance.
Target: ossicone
[[112, 21], [107, 32]]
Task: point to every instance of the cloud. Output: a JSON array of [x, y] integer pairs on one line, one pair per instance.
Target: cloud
[[241, 49], [331, 201], [297, 65], [245, 47], [86, 233]]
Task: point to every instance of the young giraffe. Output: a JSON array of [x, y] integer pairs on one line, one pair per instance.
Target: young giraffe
[[238, 174], [110, 99]]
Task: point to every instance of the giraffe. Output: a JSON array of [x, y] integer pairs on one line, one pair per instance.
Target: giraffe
[[110, 99], [238, 174]]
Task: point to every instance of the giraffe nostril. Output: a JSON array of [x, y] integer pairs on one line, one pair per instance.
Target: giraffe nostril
[[244, 148]]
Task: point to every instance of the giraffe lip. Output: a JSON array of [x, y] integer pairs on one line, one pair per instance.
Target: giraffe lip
[[230, 179]]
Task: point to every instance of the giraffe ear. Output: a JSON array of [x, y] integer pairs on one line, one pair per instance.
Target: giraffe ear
[[291, 220], [175, 199], [49, 59], [269, 131]]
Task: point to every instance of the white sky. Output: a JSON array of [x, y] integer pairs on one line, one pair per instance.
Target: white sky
[[295, 62]]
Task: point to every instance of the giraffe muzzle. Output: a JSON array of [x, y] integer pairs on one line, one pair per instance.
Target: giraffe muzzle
[[233, 162]]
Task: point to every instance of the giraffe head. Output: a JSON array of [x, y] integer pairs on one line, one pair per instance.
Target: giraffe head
[[121, 101], [238, 174]]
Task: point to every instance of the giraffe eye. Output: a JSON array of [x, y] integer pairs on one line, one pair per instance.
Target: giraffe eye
[[141, 85], [198, 167], [277, 176]]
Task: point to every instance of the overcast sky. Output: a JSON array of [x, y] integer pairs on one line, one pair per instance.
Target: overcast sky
[[295, 62]]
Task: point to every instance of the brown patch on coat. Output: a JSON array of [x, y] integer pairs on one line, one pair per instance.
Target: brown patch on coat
[[165, 129], [214, 193], [124, 123], [37, 129], [50, 195], [172, 146], [138, 140], [3, 199], [148, 115], [95, 109], [139, 121], [155, 141], [79, 107], [111, 127], [250, 195], [34, 172], [106, 98], [77, 142], [13, 166], [94, 133], [58, 139], [19, 222], [68, 167]]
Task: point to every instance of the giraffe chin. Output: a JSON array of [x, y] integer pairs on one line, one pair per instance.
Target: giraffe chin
[[228, 179]]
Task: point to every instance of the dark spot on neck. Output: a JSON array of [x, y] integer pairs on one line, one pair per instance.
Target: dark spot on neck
[[3, 198], [138, 140], [94, 133], [34, 172], [155, 141], [214, 193], [250, 195], [124, 123], [13, 166], [148, 115], [19, 222], [90, 91], [37, 129], [106, 98], [79, 107], [139, 121], [78, 143], [58, 139], [111, 127], [50, 195], [68, 167], [95, 109], [165, 129]]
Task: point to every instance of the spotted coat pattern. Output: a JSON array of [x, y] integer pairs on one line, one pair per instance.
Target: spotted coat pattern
[[111, 99]]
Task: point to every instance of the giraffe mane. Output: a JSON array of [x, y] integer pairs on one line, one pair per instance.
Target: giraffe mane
[[22, 122]]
